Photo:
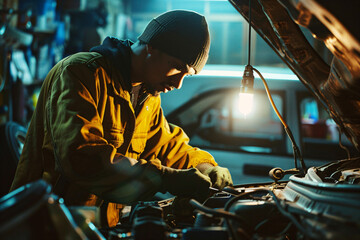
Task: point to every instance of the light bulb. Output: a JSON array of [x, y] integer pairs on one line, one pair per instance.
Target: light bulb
[[245, 103], [246, 91]]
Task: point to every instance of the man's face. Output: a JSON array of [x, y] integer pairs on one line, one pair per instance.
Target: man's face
[[163, 72]]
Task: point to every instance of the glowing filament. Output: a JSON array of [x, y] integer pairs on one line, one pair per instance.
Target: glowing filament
[[245, 103]]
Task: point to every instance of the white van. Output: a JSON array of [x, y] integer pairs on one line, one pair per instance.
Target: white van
[[207, 108]]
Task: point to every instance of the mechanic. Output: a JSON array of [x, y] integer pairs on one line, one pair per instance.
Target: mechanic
[[98, 133]]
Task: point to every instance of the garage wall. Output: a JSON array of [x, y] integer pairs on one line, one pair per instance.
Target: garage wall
[[229, 30], [59, 28]]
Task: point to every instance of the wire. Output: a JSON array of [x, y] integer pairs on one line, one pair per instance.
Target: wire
[[214, 212], [284, 212], [296, 151], [249, 46], [277, 202], [226, 214], [271, 99], [227, 207], [240, 196]]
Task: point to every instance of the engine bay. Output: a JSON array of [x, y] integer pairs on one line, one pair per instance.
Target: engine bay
[[323, 204], [297, 209]]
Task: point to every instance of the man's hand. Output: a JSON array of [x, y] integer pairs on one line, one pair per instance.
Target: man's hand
[[220, 176], [186, 183]]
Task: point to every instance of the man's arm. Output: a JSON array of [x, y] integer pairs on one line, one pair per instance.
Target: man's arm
[[202, 167], [83, 155], [87, 159], [169, 143]]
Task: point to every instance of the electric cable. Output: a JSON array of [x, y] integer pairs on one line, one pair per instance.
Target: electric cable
[[221, 213], [214, 212], [284, 212], [296, 151], [277, 202], [227, 207], [249, 43]]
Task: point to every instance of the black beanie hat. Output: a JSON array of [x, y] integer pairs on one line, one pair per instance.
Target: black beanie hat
[[181, 34]]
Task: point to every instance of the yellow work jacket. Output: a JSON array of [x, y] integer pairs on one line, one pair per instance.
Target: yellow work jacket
[[83, 119]]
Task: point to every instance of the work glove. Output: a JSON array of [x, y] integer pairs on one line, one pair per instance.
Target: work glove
[[220, 177], [186, 183]]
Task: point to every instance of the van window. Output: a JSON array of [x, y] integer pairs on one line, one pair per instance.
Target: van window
[[320, 136], [213, 120]]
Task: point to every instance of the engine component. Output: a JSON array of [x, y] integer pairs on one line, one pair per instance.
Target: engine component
[[148, 222], [277, 173], [259, 218]]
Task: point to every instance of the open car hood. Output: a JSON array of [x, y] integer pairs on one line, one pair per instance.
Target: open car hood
[[336, 83]]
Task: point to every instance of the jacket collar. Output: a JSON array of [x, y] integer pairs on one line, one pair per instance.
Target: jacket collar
[[118, 53]]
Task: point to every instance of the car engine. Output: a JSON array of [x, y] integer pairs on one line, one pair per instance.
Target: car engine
[[323, 204]]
